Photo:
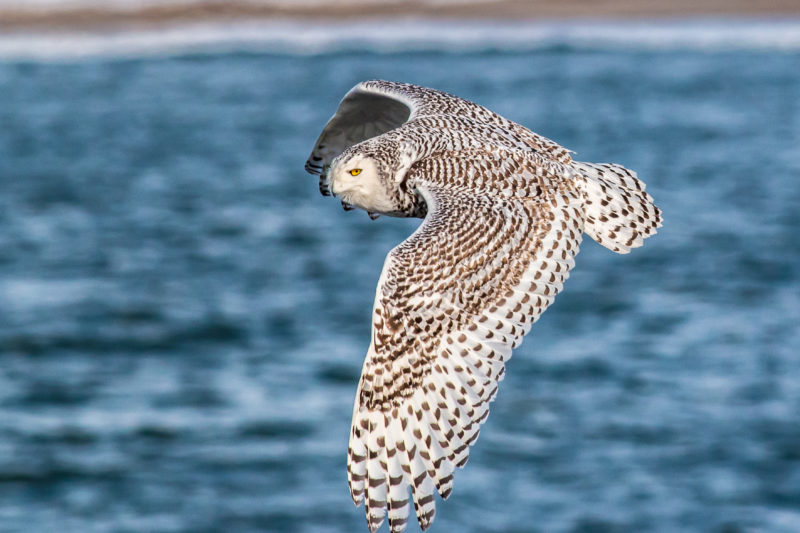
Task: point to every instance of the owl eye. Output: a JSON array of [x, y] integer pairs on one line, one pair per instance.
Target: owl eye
[[355, 172]]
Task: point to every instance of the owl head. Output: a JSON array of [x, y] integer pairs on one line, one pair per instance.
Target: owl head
[[364, 177]]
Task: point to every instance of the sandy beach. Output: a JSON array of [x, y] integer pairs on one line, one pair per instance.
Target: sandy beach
[[94, 15]]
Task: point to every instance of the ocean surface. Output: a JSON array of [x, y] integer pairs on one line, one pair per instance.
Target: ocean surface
[[183, 317]]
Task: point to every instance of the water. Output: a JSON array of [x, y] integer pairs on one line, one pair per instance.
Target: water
[[183, 318]]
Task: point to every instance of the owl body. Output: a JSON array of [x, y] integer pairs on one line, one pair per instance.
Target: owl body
[[504, 213]]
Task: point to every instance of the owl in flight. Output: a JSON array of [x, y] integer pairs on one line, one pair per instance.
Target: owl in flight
[[504, 210]]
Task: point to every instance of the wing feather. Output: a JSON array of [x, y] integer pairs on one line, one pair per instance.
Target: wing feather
[[452, 301], [375, 107]]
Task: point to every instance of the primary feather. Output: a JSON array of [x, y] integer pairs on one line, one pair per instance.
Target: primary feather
[[505, 210]]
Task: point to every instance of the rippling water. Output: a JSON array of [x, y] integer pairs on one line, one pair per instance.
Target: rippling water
[[183, 318]]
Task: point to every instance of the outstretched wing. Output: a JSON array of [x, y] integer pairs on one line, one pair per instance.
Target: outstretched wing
[[369, 109], [452, 301], [374, 107]]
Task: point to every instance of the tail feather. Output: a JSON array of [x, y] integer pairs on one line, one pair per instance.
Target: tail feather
[[619, 213]]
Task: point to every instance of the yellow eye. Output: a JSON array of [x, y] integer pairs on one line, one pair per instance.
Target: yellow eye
[[355, 172]]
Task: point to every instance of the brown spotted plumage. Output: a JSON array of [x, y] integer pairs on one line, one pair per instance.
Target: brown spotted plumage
[[505, 210]]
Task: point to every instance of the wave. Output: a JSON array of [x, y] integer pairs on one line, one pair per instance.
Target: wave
[[313, 38]]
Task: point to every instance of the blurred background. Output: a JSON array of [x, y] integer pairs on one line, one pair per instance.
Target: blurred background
[[183, 317]]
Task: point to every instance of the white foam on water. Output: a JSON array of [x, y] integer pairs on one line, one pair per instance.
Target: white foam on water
[[317, 37]]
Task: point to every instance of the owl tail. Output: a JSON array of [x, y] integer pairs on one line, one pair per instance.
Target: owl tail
[[619, 214]]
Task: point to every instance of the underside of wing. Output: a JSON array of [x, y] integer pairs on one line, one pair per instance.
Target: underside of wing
[[369, 109], [452, 301], [375, 107]]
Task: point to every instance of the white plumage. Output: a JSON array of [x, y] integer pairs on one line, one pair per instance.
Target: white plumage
[[505, 210]]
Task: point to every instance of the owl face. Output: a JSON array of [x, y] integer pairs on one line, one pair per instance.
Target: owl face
[[358, 179]]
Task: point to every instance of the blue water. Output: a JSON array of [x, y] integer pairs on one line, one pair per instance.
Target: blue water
[[183, 317]]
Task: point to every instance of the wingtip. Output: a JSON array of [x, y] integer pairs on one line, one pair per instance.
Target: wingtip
[[426, 519], [357, 499], [375, 521]]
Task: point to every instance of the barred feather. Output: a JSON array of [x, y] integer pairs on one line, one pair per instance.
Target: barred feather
[[619, 213]]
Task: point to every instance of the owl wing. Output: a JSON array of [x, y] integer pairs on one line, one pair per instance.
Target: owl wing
[[452, 301], [375, 107], [369, 109]]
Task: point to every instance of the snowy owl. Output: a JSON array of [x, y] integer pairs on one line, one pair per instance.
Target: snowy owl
[[504, 210]]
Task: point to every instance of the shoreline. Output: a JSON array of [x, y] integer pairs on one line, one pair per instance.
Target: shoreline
[[85, 17], [291, 36]]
